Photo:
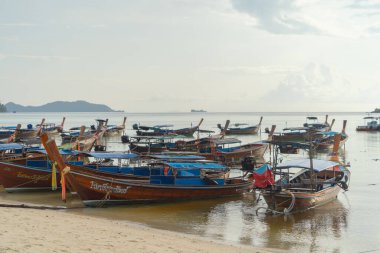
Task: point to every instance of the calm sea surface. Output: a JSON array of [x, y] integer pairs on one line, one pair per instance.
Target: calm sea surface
[[349, 224]]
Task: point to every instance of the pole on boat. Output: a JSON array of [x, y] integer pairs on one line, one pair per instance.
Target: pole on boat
[[55, 157], [312, 183]]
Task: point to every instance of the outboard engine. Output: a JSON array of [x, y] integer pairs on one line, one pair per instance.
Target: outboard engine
[[248, 163], [29, 126], [101, 148], [93, 127], [125, 139], [135, 126]]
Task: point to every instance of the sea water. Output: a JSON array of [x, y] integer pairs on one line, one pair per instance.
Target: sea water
[[349, 224]]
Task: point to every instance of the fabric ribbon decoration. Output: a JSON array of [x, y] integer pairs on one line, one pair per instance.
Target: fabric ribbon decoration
[[63, 182], [54, 177]]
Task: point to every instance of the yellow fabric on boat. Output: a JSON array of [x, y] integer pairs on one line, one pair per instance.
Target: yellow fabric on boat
[[54, 177]]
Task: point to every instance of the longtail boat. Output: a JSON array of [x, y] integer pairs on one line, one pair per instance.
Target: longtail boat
[[168, 182], [52, 128], [29, 132], [372, 124], [325, 140], [34, 172], [313, 124], [115, 130], [226, 150], [161, 130], [241, 128], [302, 183], [303, 134]]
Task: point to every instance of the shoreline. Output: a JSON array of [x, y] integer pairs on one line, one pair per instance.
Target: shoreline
[[36, 230]]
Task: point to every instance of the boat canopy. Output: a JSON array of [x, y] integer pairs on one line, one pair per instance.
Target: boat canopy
[[108, 155], [318, 165], [311, 118], [61, 151], [162, 126], [328, 133], [369, 117], [10, 146], [214, 166], [296, 129], [240, 124], [178, 157], [225, 141]]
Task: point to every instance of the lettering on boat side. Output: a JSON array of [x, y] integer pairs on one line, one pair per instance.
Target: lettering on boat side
[[34, 178], [108, 188]]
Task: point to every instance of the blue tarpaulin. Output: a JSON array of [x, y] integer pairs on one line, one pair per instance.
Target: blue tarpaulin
[[196, 166]]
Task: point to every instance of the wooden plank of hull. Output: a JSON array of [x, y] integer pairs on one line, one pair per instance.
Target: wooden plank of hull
[[253, 150], [26, 134], [95, 190], [18, 177], [367, 129], [248, 130], [186, 131], [303, 200], [114, 132], [144, 149]]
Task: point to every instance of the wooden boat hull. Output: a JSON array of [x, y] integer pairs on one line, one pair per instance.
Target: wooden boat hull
[[113, 132], [146, 149], [303, 200], [27, 134], [18, 177], [15, 177], [367, 129], [95, 190], [242, 131], [237, 156]]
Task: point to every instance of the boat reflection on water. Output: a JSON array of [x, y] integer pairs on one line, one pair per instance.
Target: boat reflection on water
[[235, 220], [303, 231]]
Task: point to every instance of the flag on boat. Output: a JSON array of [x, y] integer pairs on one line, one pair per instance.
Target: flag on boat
[[263, 176]]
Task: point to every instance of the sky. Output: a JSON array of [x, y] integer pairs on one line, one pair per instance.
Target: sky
[[178, 55]]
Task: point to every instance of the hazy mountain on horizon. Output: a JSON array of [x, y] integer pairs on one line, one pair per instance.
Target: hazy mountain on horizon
[[60, 106]]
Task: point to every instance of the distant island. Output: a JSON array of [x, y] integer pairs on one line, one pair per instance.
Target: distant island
[[377, 110], [193, 110], [60, 106]]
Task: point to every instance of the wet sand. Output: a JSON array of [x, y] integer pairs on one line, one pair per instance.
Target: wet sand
[[33, 230]]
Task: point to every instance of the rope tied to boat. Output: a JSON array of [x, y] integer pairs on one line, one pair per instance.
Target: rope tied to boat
[[106, 197], [286, 211], [291, 206]]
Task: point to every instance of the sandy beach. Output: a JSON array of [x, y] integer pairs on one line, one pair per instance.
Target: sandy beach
[[32, 230]]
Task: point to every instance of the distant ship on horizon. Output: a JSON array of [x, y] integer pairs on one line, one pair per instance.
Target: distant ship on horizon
[[193, 110]]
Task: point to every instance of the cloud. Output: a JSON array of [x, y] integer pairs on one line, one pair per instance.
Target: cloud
[[254, 70], [343, 18], [316, 86], [276, 16]]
